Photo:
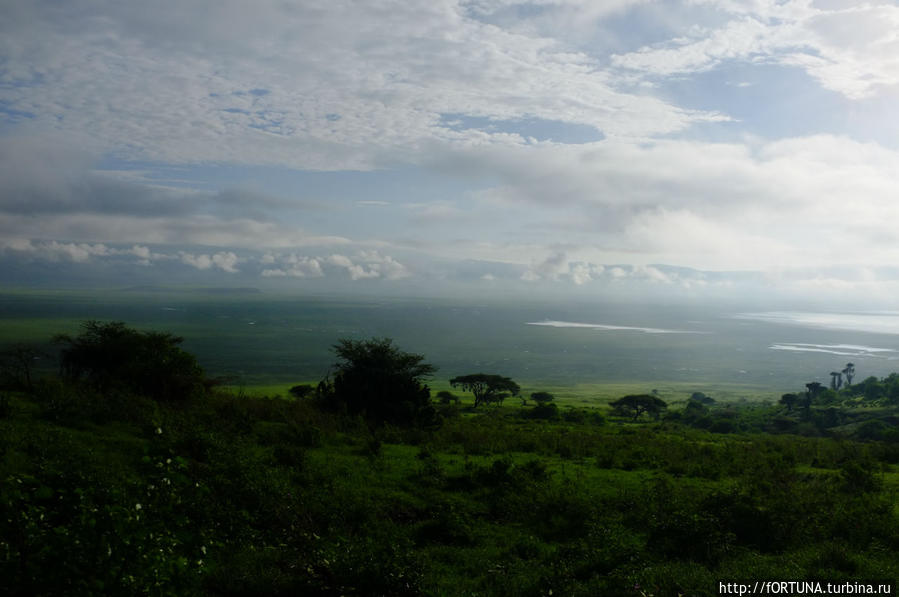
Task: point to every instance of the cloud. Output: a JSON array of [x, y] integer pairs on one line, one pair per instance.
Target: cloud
[[370, 264], [333, 86], [49, 190], [292, 265], [67, 251], [365, 264], [557, 265], [755, 205], [264, 140], [225, 261], [849, 48]]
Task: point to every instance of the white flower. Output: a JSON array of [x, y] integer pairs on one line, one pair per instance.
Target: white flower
[[137, 506]]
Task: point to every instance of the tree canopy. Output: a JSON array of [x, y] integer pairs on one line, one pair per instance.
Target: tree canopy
[[635, 405], [112, 355], [542, 397], [485, 387], [377, 380]]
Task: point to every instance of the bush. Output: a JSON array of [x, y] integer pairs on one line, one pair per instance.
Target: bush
[[107, 356], [545, 411], [378, 381], [446, 397], [301, 391]]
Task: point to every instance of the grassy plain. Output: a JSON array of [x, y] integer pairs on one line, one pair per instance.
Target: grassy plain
[[269, 342], [575, 395]]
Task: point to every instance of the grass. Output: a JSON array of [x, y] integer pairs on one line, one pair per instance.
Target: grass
[[489, 504], [587, 395]]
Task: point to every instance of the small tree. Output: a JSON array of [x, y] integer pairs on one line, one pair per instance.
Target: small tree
[[695, 410], [849, 372], [701, 398], [301, 391], [789, 400], [377, 380], [486, 388], [836, 380], [635, 405], [542, 397], [813, 390], [447, 397]]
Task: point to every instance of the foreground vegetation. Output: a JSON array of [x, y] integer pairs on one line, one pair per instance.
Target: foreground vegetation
[[117, 481]]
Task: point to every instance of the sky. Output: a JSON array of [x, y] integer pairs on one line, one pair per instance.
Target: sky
[[693, 148]]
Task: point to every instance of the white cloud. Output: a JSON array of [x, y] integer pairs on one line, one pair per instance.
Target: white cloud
[[816, 201], [225, 261], [332, 86], [58, 251], [139, 251], [369, 264], [558, 265], [292, 265], [441, 93], [852, 48]]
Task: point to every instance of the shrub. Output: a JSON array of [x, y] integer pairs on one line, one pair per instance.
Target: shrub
[[545, 411], [376, 380], [112, 355]]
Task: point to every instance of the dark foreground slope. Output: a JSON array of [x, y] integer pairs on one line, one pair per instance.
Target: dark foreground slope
[[253, 496]]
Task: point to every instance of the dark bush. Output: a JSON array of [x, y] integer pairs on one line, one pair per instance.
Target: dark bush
[[545, 411], [376, 380], [111, 355], [301, 391]]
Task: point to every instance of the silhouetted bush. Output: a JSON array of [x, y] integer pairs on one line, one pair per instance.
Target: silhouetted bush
[[111, 355], [375, 379]]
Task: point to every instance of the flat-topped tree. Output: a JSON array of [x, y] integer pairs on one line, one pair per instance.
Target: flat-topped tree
[[635, 405], [814, 389], [836, 380], [485, 387]]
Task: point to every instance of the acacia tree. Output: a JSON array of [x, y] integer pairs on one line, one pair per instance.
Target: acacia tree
[[849, 372], [635, 405], [789, 400], [836, 380], [377, 380], [485, 387], [814, 389]]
